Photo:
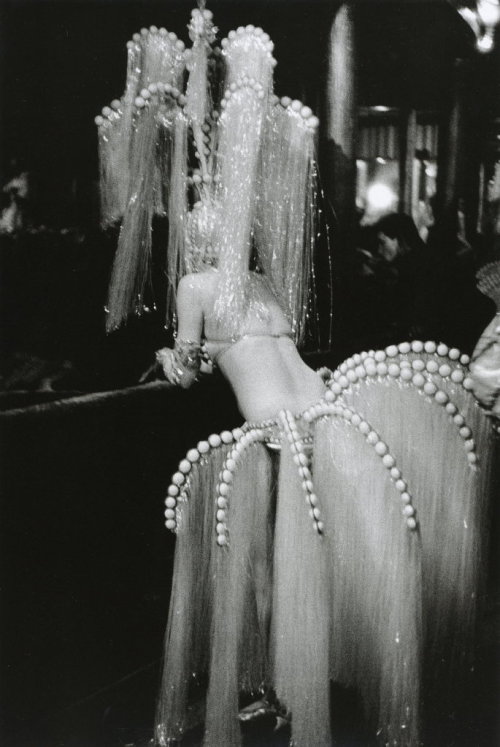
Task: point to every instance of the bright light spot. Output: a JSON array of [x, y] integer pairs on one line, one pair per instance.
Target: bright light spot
[[381, 108], [379, 159], [380, 196]]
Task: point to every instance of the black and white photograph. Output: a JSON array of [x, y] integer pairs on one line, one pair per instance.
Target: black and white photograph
[[250, 373]]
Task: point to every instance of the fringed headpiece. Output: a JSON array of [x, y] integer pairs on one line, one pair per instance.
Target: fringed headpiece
[[252, 190]]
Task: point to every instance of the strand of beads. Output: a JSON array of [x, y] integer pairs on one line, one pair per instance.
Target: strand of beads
[[156, 93], [303, 462], [417, 372], [296, 108], [243, 437], [109, 114], [178, 490], [245, 36], [324, 409]]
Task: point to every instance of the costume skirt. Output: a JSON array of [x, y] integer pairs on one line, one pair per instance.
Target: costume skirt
[[343, 544]]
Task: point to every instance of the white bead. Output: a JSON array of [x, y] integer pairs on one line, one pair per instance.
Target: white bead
[[286, 101], [178, 478], [139, 102], [173, 490], [432, 366], [193, 455], [430, 388], [313, 499], [320, 526], [454, 354], [361, 371], [444, 370], [227, 476], [221, 502], [329, 396], [336, 388], [404, 347], [372, 437], [316, 513], [464, 359], [465, 432], [381, 448], [442, 349], [468, 384], [411, 523], [305, 473], [400, 485], [417, 346], [226, 437], [391, 351], [352, 375], [203, 447], [169, 513], [459, 419], [406, 374], [220, 527], [296, 105], [305, 112], [344, 382], [221, 514], [441, 397], [356, 419], [170, 502], [307, 485], [388, 460], [451, 408], [380, 356], [231, 464], [472, 457], [223, 488], [171, 524], [237, 433], [395, 473], [381, 369], [405, 497], [418, 364], [469, 445], [371, 369], [364, 427], [214, 440], [430, 346], [418, 380], [185, 466], [457, 376], [408, 510], [393, 370], [221, 539]]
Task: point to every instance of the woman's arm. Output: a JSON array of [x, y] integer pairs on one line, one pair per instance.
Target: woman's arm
[[182, 364]]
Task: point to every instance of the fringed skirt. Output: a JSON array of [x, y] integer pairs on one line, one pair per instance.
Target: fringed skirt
[[340, 544]]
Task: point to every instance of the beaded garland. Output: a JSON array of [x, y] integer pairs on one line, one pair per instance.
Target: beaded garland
[[446, 363]]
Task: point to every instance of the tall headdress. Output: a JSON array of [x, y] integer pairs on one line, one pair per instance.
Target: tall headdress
[[253, 185]]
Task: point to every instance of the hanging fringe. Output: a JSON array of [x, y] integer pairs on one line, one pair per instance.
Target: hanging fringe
[[285, 227], [242, 596], [160, 138], [301, 618], [374, 576], [248, 82]]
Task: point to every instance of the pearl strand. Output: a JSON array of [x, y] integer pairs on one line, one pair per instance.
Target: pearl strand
[[243, 439], [380, 447], [303, 463], [179, 485]]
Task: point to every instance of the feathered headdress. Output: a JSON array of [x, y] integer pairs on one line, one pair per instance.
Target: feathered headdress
[[252, 188]]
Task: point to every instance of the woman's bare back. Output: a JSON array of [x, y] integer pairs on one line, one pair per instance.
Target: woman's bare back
[[261, 362]]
